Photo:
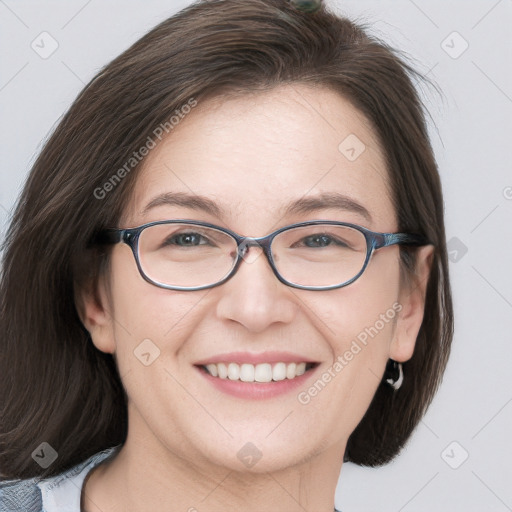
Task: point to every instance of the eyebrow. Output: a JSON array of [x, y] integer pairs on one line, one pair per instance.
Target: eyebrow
[[192, 201], [326, 200]]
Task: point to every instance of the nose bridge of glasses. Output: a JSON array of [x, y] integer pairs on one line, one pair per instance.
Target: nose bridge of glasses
[[246, 242]]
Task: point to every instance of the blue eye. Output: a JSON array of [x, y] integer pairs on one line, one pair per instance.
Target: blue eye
[[317, 241], [186, 240], [320, 240]]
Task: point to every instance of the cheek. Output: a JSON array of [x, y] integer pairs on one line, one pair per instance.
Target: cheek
[[347, 313], [358, 321], [151, 325], [147, 319]]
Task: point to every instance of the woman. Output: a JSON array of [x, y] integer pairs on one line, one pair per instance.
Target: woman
[[226, 274]]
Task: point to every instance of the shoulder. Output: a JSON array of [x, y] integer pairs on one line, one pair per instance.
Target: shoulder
[[60, 493]]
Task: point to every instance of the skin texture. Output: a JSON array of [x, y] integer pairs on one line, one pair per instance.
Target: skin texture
[[251, 155]]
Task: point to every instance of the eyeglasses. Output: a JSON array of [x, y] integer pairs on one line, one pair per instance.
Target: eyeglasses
[[193, 255]]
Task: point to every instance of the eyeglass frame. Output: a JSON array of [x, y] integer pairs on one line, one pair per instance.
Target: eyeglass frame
[[374, 241]]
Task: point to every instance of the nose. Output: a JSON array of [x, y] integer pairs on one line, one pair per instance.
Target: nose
[[254, 297]]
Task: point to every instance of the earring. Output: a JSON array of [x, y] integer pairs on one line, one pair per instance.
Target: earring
[[394, 374]]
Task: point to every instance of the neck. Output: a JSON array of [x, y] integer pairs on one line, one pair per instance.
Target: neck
[[144, 476]]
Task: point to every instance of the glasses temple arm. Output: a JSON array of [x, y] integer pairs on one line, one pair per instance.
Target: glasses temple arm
[[108, 236], [403, 239]]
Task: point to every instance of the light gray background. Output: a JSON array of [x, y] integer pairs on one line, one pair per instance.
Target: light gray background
[[472, 142]]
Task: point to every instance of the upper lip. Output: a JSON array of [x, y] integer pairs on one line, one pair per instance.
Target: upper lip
[[253, 358]]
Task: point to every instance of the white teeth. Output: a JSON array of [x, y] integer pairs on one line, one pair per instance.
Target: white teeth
[[233, 371], [222, 370], [290, 370], [212, 368], [247, 373], [263, 372], [279, 372]]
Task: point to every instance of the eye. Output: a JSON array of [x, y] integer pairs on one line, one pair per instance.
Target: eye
[[323, 240], [186, 240], [317, 241]]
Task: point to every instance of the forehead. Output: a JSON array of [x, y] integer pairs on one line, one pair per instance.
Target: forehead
[[255, 154]]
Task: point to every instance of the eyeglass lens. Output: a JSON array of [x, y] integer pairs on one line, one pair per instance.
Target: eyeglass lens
[[188, 255]]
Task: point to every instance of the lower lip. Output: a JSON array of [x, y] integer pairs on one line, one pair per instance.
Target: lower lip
[[257, 390]]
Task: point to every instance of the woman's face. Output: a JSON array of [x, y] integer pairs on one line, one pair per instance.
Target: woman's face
[[252, 156]]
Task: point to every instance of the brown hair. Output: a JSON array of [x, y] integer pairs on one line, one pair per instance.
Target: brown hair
[[55, 385]]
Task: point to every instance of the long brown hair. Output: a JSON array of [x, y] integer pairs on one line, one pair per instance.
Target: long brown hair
[[56, 387]]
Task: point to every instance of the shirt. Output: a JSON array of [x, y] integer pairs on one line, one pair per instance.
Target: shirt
[[60, 493]]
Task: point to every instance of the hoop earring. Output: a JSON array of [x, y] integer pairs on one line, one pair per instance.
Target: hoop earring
[[394, 374]]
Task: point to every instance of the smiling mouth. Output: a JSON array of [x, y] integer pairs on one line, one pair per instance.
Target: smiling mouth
[[263, 372]]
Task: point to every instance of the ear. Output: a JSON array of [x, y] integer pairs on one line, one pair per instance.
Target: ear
[[412, 299], [94, 305]]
